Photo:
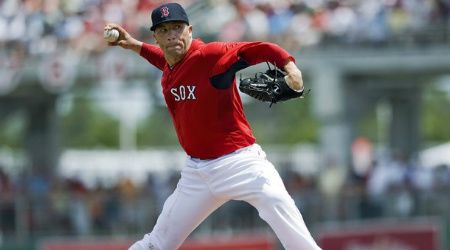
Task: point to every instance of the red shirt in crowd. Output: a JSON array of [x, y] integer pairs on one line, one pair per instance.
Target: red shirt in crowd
[[201, 93]]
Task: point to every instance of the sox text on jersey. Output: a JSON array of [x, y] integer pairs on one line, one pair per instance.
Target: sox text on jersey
[[183, 92]]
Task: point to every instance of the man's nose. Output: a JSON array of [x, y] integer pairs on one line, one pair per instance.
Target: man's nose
[[172, 35]]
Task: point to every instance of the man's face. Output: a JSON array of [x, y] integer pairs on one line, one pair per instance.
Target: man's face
[[174, 38]]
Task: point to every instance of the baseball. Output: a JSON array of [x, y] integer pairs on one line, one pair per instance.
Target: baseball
[[111, 35]]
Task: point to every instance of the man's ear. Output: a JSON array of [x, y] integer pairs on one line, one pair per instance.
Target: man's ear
[[154, 37]]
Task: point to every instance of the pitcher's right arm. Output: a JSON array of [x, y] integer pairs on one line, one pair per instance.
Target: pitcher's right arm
[[152, 53]]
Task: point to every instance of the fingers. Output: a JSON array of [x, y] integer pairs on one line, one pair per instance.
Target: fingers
[[122, 43], [112, 26]]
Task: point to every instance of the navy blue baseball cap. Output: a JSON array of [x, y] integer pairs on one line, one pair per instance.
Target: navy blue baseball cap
[[167, 13]]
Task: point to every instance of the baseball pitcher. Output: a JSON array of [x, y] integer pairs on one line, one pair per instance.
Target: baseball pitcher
[[224, 162]]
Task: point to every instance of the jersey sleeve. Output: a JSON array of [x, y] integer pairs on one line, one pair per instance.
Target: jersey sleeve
[[258, 52], [238, 55], [154, 55]]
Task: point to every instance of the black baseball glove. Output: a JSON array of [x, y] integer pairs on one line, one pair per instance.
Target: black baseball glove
[[269, 86]]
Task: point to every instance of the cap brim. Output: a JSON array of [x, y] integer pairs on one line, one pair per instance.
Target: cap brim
[[166, 21]]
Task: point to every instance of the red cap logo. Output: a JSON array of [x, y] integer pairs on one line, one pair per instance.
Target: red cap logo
[[164, 11]]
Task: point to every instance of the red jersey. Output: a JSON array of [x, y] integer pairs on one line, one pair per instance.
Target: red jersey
[[201, 93]]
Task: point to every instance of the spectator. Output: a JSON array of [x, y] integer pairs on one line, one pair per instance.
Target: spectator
[[7, 211]]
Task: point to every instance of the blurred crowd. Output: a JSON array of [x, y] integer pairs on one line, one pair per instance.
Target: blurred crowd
[[42, 205], [304, 23], [41, 26]]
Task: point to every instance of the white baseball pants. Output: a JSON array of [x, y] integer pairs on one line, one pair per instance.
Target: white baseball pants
[[205, 185]]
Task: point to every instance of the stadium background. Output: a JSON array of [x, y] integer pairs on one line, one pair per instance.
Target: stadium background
[[88, 153]]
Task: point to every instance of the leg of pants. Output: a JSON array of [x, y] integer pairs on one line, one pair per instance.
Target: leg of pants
[[278, 209], [250, 177], [190, 203]]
